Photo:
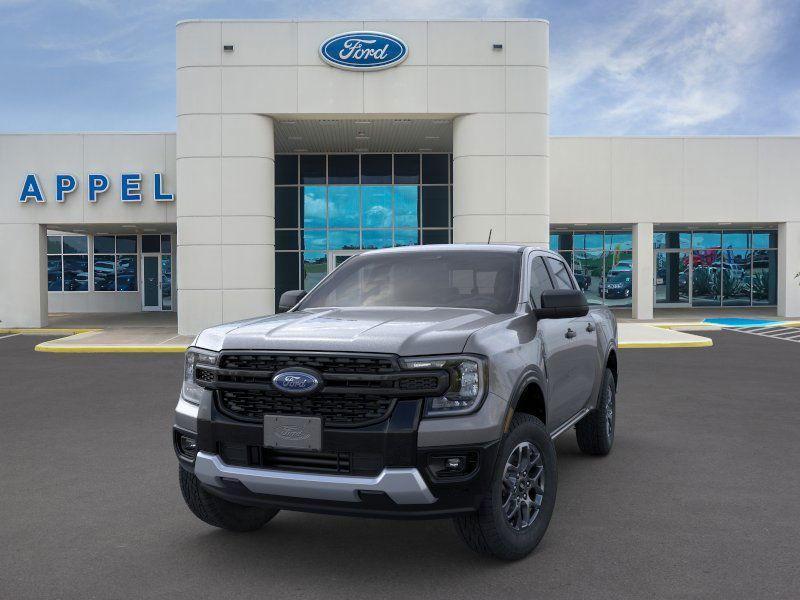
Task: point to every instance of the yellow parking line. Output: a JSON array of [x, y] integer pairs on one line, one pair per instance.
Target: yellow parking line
[[704, 343], [96, 349]]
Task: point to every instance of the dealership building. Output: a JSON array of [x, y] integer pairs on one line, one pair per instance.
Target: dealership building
[[302, 143]]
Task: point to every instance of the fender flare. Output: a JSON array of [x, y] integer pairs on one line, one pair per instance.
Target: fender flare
[[528, 376]]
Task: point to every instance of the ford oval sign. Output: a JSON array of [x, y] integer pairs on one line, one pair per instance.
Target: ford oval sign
[[363, 50], [296, 382]]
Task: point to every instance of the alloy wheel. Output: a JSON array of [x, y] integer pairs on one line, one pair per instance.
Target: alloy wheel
[[522, 490]]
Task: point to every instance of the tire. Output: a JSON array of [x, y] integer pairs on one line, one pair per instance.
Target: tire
[[595, 432], [218, 512], [488, 531]]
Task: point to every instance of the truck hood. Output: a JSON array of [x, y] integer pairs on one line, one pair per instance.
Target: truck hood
[[402, 331]]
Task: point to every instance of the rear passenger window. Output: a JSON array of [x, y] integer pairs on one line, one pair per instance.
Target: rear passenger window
[[540, 281], [561, 277]]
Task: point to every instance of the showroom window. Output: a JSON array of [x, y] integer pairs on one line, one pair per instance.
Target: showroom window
[[67, 263], [115, 263], [602, 262], [716, 267], [329, 207]]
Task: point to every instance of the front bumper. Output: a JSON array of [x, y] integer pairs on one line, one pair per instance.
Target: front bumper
[[390, 465]]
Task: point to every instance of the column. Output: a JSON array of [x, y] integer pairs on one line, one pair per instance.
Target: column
[[501, 178], [642, 271], [23, 271], [226, 224], [788, 267]]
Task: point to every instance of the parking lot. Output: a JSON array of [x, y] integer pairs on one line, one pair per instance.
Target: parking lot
[[699, 498]]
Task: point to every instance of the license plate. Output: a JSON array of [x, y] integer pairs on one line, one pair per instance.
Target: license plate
[[297, 433]]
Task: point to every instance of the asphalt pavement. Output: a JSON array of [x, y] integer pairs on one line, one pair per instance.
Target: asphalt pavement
[[699, 498]]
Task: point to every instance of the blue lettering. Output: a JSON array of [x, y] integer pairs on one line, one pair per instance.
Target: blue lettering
[[31, 189], [65, 184], [131, 188], [98, 184], [158, 195]]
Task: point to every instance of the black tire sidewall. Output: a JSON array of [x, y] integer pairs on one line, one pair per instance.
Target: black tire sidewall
[[519, 543]]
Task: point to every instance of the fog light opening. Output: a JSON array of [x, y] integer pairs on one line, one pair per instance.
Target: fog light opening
[[187, 446]]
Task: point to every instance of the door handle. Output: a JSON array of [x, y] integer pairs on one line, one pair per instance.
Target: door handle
[[570, 334], [590, 327]]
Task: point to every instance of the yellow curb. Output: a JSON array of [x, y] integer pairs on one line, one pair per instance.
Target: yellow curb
[[46, 331], [704, 343], [72, 349]]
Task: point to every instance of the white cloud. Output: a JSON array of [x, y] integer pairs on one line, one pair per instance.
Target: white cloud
[[669, 69]]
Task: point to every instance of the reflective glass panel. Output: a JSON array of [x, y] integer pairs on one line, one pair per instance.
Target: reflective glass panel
[[54, 280], [434, 168], [313, 207], [618, 288], [313, 239], [54, 244], [126, 244], [343, 239], [126, 274], [765, 239], [706, 239], [406, 237], [285, 169], [706, 277], [376, 238], [672, 239], [553, 242], [312, 168], [166, 282], [736, 277], [588, 241], [376, 168], [287, 272], [76, 273], [736, 239], [765, 277], [588, 270], [343, 168], [286, 239], [406, 168], [406, 206], [315, 267], [104, 244], [435, 236], [434, 206], [75, 244], [104, 272], [166, 244], [343, 206], [151, 243], [376, 204], [672, 277], [285, 207], [618, 241]]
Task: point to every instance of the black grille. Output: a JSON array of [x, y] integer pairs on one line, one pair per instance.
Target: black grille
[[341, 410], [418, 383], [367, 365], [300, 460]]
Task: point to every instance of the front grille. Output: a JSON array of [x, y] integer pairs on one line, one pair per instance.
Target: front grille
[[365, 365], [343, 410]]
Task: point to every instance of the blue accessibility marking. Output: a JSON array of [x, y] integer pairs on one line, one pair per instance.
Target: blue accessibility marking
[[739, 322]]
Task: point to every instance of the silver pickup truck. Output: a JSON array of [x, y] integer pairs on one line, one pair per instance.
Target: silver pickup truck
[[414, 382]]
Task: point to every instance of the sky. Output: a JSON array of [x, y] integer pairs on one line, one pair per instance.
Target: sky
[[617, 67]]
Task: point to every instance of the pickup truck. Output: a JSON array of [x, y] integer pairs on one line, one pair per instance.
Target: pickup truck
[[417, 382]]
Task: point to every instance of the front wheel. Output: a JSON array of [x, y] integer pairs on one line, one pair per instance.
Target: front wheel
[[218, 512], [595, 432], [516, 511]]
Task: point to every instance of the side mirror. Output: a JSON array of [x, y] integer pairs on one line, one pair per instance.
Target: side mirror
[[290, 299], [562, 304]]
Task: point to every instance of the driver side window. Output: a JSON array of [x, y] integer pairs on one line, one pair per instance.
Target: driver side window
[[540, 280]]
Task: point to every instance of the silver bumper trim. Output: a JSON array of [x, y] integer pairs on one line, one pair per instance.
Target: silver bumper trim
[[403, 485], [186, 415]]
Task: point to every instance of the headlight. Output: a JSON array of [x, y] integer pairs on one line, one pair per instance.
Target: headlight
[[467, 383], [194, 356]]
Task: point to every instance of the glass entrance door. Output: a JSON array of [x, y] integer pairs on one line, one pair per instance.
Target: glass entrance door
[[335, 259], [151, 282]]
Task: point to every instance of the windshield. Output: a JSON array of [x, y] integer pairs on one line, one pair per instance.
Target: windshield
[[619, 278], [487, 280]]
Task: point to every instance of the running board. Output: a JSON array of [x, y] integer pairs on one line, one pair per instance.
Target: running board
[[577, 417]]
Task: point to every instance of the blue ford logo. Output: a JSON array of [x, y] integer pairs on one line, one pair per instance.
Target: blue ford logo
[[363, 50], [295, 382]]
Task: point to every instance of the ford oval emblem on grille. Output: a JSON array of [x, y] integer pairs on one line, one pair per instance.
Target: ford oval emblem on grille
[[296, 382], [363, 50]]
